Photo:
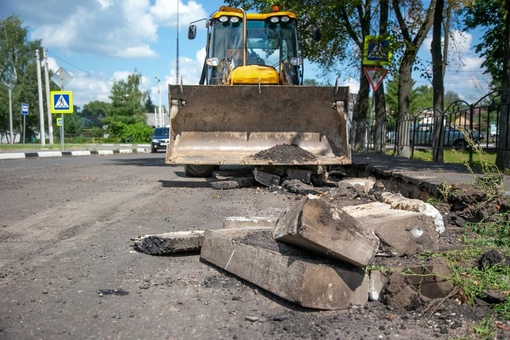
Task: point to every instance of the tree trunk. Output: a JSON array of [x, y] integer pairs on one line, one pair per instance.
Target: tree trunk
[[438, 80], [404, 90], [503, 153], [380, 121], [405, 81], [379, 99], [359, 119]]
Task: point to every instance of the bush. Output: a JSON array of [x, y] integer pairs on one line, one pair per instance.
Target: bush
[[136, 133]]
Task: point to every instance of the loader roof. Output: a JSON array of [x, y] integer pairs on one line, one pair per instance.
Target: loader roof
[[231, 11]]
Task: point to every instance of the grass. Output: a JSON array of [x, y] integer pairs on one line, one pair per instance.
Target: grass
[[453, 156], [473, 281]]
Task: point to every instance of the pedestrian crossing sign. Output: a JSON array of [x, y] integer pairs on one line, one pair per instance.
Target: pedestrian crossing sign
[[61, 102], [377, 51]]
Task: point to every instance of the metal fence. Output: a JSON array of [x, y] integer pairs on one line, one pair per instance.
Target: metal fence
[[459, 124]]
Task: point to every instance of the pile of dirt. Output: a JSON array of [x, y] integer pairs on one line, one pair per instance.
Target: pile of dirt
[[472, 203], [285, 153]]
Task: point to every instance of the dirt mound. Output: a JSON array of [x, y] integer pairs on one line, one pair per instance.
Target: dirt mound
[[283, 153]]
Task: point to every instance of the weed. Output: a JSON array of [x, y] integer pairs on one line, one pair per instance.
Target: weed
[[382, 269], [493, 231], [474, 282], [486, 328], [445, 190], [491, 178]]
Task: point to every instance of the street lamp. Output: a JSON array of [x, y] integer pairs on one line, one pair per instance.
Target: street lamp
[[160, 115]]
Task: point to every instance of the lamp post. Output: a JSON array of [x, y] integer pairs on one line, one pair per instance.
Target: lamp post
[[160, 115]]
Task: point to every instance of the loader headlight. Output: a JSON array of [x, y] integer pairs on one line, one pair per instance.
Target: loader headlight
[[234, 20], [285, 19], [212, 61], [274, 20], [223, 18]]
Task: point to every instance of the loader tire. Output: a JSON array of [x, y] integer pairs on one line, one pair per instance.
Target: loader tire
[[198, 170]]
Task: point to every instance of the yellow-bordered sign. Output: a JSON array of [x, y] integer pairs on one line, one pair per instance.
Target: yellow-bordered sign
[[377, 51], [61, 102]]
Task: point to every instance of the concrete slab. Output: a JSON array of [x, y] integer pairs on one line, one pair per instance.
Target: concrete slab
[[234, 183], [366, 183], [256, 221], [397, 201], [400, 232], [301, 278], [170, 243], [304, 176], [314, 225], [265, 178], [298, 187], [378, 281]]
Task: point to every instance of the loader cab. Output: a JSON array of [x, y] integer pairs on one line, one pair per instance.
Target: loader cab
[[263, 51]]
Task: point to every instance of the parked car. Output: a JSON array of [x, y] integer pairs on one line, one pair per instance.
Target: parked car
[[423, 134], [493, 132], [160, 139], [390, 136]]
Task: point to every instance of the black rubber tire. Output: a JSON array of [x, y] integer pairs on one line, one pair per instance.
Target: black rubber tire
[[460, 144], [192, 170]]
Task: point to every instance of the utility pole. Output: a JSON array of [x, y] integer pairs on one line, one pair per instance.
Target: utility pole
[[177, 49], [160, 114], [48, 104], [41, 107], [11, 129]]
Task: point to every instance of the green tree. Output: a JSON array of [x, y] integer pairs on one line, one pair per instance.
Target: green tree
[[413, 29], [17, 72], [493, 18], [125, 109], [148, 104], [74, 123], [310, 82], [93, 112], [489, 17], [420, 98]]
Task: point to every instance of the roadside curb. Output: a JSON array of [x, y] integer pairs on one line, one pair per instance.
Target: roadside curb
[[50, 154]]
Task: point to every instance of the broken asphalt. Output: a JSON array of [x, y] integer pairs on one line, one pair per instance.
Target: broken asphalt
[[416, 178]]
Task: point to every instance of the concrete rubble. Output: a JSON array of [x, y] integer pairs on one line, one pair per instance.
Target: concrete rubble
[[313, 282], [397, 201], [317, 254], [400, 232], [169, 243], [314, 225]]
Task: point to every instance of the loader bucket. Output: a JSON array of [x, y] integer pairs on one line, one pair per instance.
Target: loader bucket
[[241, 125]]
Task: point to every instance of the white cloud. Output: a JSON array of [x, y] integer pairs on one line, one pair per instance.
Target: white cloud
[[105, 3], [165, 12], [119, 29], [189, 69], [353, 85]]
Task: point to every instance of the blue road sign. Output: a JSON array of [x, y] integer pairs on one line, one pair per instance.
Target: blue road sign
[[61, 102], [24, 109]]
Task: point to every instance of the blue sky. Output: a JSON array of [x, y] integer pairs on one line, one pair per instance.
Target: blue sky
[[102, 41]]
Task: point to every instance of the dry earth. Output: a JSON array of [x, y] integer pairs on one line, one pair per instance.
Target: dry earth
[[67, 268]]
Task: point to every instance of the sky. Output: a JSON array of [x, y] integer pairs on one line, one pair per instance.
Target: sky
[[99, 42]]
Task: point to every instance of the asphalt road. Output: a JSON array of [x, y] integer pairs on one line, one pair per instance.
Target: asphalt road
[[67, 269]]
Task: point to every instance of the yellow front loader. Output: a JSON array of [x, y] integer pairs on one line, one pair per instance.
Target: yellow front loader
[[250, 107]]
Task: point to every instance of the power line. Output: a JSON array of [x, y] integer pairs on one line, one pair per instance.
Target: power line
[[81, 69]]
